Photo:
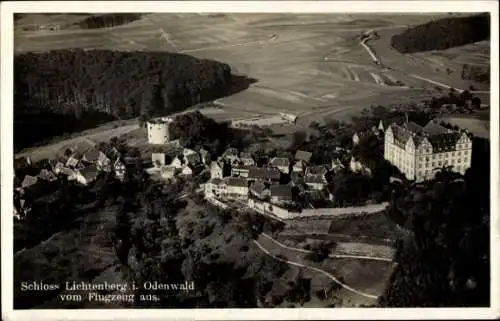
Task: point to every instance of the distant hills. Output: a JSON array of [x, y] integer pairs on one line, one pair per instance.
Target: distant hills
[[443, 33]]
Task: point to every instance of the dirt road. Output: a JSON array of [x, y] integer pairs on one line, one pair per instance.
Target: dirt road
[[49, 151]]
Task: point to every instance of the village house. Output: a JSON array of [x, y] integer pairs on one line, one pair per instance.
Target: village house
[[21, 163], [28, 183], [336, 165], [193, 159], [240, 171], [47, 175], [357, 167], [158, 159], [315, 181], [218, 169], [119, 168], [215, 187], [266, 174], [231, 155], [281, 194], [205, 156], [303, 156], [246, 159], [281, 163], [168, 172], [178, 162], [260, 191], [87, 175], [91, 156], [236, 186]]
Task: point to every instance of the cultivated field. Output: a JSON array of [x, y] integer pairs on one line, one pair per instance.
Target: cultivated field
[[311, 65]]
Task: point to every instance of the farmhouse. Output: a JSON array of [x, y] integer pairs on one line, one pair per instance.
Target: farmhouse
[[246, 159], [236, 186], [264, 174], [315, 181], [87, 175], [240, 171], [158, 159], [231, 155], [259, 190], [281, 163], [281, 194]]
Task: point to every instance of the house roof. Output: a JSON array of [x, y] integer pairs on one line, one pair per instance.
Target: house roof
[[89, 172], [236, 181], [264, 173], [168, 169], [246, 156], [303, 155], [433, 128], [279, 161], [314, 178], [319, 170], [92, 155], [193, 158], [258, 188], [46, 175], [281, 191], [76, 155], [231, 152], [296, 177], [187, 151], [414, 127], [215, 181], [29, 181]]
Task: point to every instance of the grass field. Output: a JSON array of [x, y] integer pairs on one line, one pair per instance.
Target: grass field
[[311, 65]]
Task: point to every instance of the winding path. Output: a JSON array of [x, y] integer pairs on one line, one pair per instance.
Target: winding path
[[329, 275], [337, 256]]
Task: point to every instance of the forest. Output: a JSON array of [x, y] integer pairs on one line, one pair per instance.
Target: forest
[[443, 34], [108, 20], [476, 73], [65, 91]]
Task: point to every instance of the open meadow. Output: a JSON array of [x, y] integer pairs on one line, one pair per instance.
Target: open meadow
[[310, 65]]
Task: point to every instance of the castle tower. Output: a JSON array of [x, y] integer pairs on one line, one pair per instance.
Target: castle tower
[[158, 130]]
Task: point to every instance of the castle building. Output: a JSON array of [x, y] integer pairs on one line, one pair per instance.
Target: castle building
[[419, 151], [158, 130]]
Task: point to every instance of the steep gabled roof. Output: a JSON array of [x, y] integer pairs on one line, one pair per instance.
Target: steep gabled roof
[[258, 188], [236, 181], [29, 181], [264, 173], [432, 128], [89, 172], [281, 191], [314, 178], [303, 156], [280, 161]]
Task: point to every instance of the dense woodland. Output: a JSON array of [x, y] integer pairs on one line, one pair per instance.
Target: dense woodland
[[108, 20], [69, 90], [443, 34]]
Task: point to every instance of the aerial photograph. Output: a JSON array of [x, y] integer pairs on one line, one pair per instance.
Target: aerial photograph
[[251, 160]]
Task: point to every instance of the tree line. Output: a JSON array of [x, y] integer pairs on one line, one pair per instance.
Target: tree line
[[442, 34]]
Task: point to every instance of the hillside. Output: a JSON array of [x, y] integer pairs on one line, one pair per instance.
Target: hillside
[[443, 34], [81, 89]]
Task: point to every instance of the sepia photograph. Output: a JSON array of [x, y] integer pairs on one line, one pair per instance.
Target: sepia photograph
[[222, 159]]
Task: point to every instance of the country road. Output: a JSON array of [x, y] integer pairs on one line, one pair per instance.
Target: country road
[[329, 275]]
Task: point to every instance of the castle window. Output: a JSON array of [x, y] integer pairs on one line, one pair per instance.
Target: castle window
[[459, 160], [459, 153]]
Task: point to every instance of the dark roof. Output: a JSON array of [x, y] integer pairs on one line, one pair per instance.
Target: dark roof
[[236, 181], [281, 191], [444, 142], [92, 155], [76, 155], [303, 155], [193, 158], [317, 170], [29, 180], [414, 127], [313, 178], [264, 173], [246, 156], [432, 128], [258, 188], [231, 152], [89, 172], [279, 161]]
